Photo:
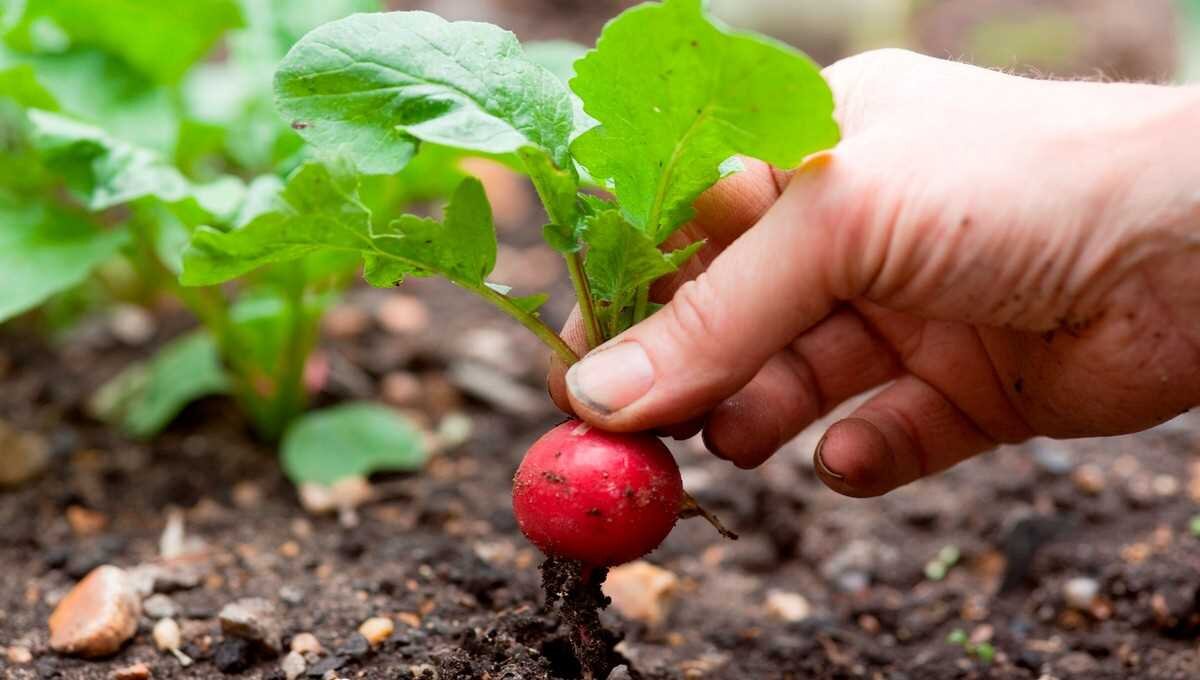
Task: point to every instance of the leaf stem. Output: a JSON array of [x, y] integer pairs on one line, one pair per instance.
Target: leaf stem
[[641, 305], [528, 320], [587, 306]]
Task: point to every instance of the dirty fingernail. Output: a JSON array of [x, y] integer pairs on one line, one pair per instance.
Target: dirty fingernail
[[819, 461], [611, 379]]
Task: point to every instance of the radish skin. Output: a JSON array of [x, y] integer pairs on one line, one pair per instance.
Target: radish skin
[[597, 497]]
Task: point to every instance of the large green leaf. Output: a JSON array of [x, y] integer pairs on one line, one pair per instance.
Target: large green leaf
[[354, 439], [319, 210], [45, 250], [146, 397], [108, 172], [372, 85], [162, 38], [676, 96]]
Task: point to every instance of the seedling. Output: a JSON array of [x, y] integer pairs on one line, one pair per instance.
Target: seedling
[[985, 652]]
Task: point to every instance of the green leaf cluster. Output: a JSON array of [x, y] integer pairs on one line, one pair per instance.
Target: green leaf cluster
[[655, 114]]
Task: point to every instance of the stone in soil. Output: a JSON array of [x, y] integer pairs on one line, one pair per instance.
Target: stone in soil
[[306, 643], [232, 655], [98, 616], [159, 606], [401, 388], [138, 671], [641, 591], [355, 647], [19, 655], [26, 455], [787, 607], [377, 630], [1080, 593], [293, 665], [254, 619], [403, 314], [167, 635], [327, 665]]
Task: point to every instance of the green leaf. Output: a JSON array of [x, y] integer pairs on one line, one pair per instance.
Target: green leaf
[[354, 439], [319, 210], [45, 250], [621, 258], [128, 106], [146, 397], [108, 172], [162, 38], [462, 248], [372, 85], [20, 84], [676, 96]]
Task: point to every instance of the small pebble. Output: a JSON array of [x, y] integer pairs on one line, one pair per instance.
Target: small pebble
[[787, 607], [138, 671], [620, 673], [232, 655], [327, 665], [306, 643], [131, 324], [345, 321], [1089, 479], [86, 522], [291, 594], [98, 616], [377, 630], [355, 646], [254, 619], [19, 655], [293, 665], [26, 455], [1080, 593], [400, 389], [641, 591], [167, 635], [159, 606], [403, 314]]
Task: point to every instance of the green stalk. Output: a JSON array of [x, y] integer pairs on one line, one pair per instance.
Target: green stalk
[[530, 321], [289, 398], [641, 306], [583, 293]]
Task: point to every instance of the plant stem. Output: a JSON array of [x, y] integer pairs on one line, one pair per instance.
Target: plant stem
[[530, 321], [583, 293], [641, 306], [289, 391]]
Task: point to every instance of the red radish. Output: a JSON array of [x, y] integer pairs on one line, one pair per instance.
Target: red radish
[[597, 497]]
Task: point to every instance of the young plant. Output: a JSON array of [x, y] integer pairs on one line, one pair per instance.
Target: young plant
[[654, 115], [118, 144]]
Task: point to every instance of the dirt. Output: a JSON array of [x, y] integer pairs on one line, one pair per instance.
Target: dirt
[[441, 555]]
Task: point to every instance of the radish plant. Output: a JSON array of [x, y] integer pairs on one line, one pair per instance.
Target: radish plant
[[650, 118]]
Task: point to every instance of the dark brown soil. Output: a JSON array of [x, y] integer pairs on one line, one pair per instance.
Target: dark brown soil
[[442, 556]]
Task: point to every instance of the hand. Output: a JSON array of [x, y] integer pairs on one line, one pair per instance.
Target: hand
[[1010, 257]]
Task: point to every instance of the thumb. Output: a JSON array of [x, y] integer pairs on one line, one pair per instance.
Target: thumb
[[719, 329]]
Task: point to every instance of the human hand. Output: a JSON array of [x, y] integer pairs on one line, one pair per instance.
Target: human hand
[[1011, 257]]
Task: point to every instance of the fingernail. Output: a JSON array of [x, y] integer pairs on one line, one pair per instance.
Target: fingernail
[[611, 379], [819, 461], [815, 162]]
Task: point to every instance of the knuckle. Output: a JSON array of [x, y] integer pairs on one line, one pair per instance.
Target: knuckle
[[693, 315]]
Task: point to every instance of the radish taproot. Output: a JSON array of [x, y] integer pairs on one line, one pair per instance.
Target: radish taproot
[[597, 497]]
